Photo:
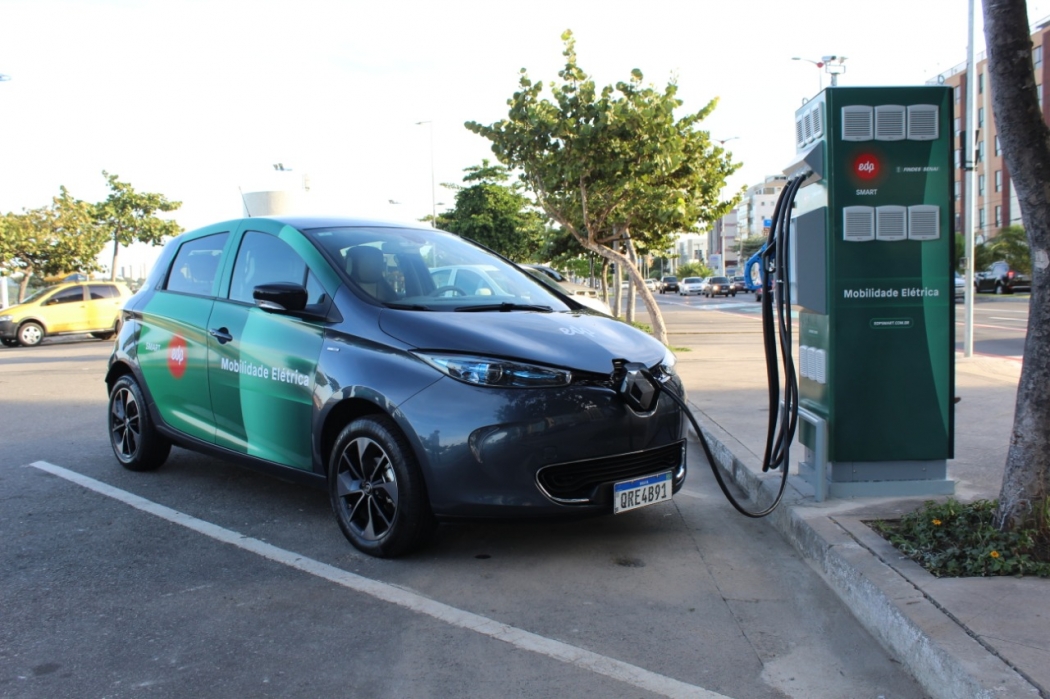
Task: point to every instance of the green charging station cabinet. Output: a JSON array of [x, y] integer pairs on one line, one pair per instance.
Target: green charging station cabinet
[[872, 278]]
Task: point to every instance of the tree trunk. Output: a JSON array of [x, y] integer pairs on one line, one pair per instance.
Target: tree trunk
[[116, 251], [632, 254], [24, 284], [1025, 141]]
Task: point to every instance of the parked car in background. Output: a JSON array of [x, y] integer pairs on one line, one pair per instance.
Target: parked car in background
[[739, 283], [1000, 279], [579, 292], [690, 285], [960, 287], [77, 307], [719, 286], [669, 285]]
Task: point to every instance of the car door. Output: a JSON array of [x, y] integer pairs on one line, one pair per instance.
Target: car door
[[173, 342], [103, 306], [66, 311], [263, 364]]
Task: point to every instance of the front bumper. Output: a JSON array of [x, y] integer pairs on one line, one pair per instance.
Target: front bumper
[[538, 452], [8, 330]]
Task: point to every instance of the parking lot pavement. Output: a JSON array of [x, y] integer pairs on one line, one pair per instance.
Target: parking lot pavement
[[250, 589]]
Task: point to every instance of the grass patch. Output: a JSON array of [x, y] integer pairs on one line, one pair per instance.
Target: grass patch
[[953, 539]]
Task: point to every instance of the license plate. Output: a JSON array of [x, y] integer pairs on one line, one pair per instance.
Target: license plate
[[641, 492]]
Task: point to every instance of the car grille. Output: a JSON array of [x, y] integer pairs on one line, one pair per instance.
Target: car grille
[[576, 482]]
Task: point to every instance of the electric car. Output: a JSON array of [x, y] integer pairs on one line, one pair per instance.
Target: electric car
[[326, 351]]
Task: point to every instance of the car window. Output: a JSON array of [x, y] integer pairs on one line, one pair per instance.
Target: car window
[[103, 291], [70, 295], [266, 259], [196, 266], [406, 266]]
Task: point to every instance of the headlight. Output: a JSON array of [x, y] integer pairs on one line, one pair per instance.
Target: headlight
[[6, 318], [488, 371], [667, 366]]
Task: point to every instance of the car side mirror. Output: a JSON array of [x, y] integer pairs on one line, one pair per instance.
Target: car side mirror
[[280, 297]]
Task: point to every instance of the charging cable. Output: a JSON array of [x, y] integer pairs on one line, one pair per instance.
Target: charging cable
[[776, 306]]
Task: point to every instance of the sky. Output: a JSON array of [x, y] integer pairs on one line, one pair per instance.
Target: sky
[[199, 100]]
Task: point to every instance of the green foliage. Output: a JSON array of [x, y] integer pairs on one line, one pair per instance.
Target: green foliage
[[749, 246], [615, 164], [694, 269], [961, 540], [131, 216], [51, 240], [1011, 244], [494, 214]]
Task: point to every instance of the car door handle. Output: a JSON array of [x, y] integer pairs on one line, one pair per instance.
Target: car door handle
[[222, 335]]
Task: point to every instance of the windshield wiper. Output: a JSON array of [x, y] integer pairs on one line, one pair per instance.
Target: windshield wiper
[[504, 307]]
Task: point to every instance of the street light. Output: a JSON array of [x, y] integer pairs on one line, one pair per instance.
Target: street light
[[819, 65], [433, 196], [723, 141]]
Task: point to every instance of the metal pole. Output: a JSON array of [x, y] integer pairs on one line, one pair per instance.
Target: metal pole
[[969, 165]]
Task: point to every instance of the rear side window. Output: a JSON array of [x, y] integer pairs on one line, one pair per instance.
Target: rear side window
[[102, 291], [196, 266], [70, 295]]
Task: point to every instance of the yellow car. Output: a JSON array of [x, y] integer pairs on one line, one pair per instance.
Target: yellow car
[[76, 307]]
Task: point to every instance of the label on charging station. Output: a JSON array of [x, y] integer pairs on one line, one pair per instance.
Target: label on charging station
[[641, 492]]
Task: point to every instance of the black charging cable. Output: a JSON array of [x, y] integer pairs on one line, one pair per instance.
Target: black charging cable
[[775, 264]]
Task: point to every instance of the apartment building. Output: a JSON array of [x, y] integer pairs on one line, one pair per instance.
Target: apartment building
[[995, 199], [751, 217]]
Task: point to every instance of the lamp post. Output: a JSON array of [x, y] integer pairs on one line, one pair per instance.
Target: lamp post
[[4, 300], [433, 196], [820, 74]]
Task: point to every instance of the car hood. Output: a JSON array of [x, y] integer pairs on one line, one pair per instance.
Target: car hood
[[580, 341]]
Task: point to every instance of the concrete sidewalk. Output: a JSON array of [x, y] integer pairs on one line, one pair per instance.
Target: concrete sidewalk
[[961, 637]]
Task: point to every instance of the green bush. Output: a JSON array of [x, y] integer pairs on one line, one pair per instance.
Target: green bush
[[952, 539]]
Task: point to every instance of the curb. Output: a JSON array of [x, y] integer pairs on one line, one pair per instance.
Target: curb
[[942, 656]]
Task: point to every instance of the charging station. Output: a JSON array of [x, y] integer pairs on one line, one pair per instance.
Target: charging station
[[871, 277]]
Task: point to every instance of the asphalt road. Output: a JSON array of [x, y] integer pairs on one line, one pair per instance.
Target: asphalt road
[[204, 579]]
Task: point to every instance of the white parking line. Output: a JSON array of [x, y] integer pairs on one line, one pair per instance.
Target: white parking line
[[525, 640]]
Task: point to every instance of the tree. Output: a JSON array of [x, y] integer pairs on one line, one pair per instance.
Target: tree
[[1025, 141], [1011, 245], [614, 168], [495, 214], [55, 239], [130, 216]]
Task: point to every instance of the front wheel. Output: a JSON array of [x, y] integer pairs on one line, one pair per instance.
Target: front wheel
[[30, 334], [377, 490], [135, 441]]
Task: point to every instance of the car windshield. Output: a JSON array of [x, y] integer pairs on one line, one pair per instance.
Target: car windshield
[[431, 270], [691, 280], [36, 295], [719, 280]]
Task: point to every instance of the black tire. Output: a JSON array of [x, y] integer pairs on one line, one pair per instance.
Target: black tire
[[30, 334], [377, 490], [135, 441], [104, 336], [9, 342]]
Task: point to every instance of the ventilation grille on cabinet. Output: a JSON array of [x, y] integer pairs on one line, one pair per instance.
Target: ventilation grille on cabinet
[[890, 120], [922, 122], [858, 223], [924, 222], [809, 125], [857, 123], [891, 223]]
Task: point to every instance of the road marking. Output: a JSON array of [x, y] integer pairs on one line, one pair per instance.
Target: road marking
[[1014, 320], [525, 640]]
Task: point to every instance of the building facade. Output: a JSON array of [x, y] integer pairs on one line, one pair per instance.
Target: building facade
[[994, 197], [751, 217]]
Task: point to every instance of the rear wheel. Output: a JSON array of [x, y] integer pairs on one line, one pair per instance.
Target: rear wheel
[[30, 334], [377, 490], [135, 441]]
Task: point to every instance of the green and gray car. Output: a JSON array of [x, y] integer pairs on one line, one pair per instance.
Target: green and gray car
[[325, 351]]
